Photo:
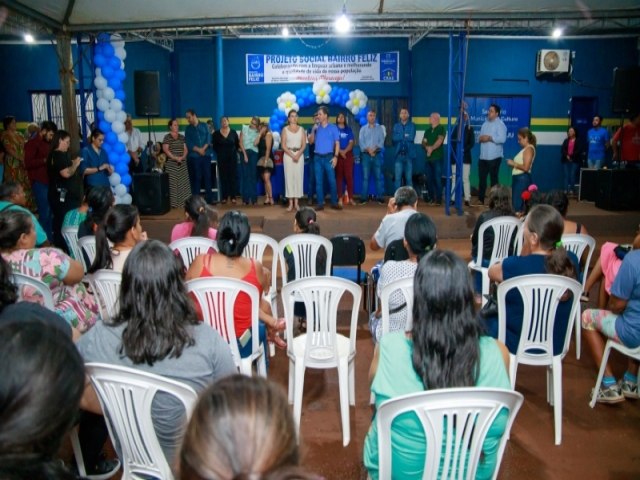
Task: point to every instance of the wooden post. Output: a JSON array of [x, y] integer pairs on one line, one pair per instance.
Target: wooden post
[[68, 87]]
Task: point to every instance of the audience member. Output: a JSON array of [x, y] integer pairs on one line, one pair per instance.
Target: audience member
[[344, 167], [12, 197], [432, 143], [14, 168], [560, 201], [99, 201], [95, 166], [400, 207], [201, 220], [371, 141]]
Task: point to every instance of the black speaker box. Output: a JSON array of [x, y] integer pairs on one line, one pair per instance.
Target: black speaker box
[[151, 193], [146, 86], [618, 190], [626, 90], [588, 185]]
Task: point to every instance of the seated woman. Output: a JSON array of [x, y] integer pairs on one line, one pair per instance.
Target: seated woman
[[241, 427], [419, 239], [542, 252], [445, 349], [56, 269], [35, 358], [122, 228], [201, 220], [157, 331], [99, 201], [560, 201], [233, 236]]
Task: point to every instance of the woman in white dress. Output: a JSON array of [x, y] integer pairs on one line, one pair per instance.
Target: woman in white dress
[[294, 139]]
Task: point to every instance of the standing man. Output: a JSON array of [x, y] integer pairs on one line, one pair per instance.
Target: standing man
[[134, 147], [327, 146], [468, 141], [598, 140], [432, 143], [198, 140], [403, 134], [371, 144], [311, 134], [493, 134], [629, 138], [36, 152]]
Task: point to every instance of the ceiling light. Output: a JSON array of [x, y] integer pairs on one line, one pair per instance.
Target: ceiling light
[[557, 32], [29, 38], [285, 31], [343, 23]]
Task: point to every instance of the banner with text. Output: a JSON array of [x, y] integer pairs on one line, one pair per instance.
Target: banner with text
[[361, 67]]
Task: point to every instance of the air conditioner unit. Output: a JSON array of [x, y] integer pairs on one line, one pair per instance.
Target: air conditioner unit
[[553, 61]]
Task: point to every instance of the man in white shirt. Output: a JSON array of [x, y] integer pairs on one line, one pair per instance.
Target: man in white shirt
[[134, 146], [400, 207]]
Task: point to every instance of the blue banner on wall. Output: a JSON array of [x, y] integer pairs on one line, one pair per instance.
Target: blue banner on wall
[[359, 67], [515, 112]]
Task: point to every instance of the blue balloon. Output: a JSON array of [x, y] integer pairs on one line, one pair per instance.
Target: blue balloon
[[107, 72], [108, 50], [119, 147], [122, 169], [99, 60], [363, 122], [100, 115], [114, 62], [113, 157], [104, 126], [115, 83], [125, 158], [120, 94], [106, 147], [111, 137], [104, 37], [121, 74], [126, 179]]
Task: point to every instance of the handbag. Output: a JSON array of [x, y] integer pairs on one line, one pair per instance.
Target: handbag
[[265, 162]]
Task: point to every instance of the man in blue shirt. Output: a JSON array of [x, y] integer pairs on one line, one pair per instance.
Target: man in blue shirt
[[371, 140], [327, 146], [198, 140], [493, 134], [404, 133], [598, 139]]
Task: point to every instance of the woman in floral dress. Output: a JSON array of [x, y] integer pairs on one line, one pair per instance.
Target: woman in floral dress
[[14, 169], [56, 269]]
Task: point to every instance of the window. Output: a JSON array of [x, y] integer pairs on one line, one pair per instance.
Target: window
[[48, 106]]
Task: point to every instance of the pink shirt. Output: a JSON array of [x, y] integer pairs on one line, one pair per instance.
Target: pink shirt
[[183, 230]]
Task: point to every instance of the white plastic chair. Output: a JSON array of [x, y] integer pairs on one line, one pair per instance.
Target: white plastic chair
[[405, 285], [258, 243], [70, 235], [106, 286], [125, 395], [629, 352], [304, 247], [79, 458], [88, 247], [322, 346], [578, 243], [190, 247], [455, 422], [541, 295], [25, 282], [503, 244], [217, 297]]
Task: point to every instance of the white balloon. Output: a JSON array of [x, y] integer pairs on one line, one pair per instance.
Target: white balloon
[[326, 99], [117, 200], [100, 93], [115, 105], [121, 53], [117, 41], [100, 83], [123, 137], [121, 116], [98, 72], [127, 199], [117, 127], [109, 94], [318, 99], [114, 179], [109, 115], [102, 104], [120, 190]]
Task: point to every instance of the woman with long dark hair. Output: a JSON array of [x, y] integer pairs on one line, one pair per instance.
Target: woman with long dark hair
[[445, 349], [95, 165], [99, 201], [200, 220], [41, 382], [344, 167], [542, 252], [65, 183], [571, 159], [156, 330], [13, 143], [265, 161], [174, 147], [522, 164], [226, 144]]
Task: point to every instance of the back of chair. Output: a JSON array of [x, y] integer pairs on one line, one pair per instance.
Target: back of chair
[[303, 248], [541, 294], [106, 286], [88, 248], [578, 243], [190, 247], [217, 297], [125, 395], [396, 251], [33, 290], [455, 422], [504, 238], [70, 235], [321, 297], [405, 287], [258, 244]]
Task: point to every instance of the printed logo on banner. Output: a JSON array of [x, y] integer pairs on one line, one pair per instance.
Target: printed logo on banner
[[255, 68], [389, 67]]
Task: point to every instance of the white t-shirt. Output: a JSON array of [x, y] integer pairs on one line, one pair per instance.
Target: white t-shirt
[[392, 227], [135, 140]]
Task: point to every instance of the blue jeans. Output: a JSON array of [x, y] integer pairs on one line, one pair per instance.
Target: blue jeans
[[322, 164], [201, 168], [519, 183], [368, 162], [249, 169], [570, 172], [597, 163], [404, 165], [434, 180], [41, 195]]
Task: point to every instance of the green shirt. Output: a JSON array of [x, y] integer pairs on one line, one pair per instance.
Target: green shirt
[[431, 135]]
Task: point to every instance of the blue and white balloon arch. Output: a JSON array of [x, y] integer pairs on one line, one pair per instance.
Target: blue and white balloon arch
[[109, 55], [320, 93]]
